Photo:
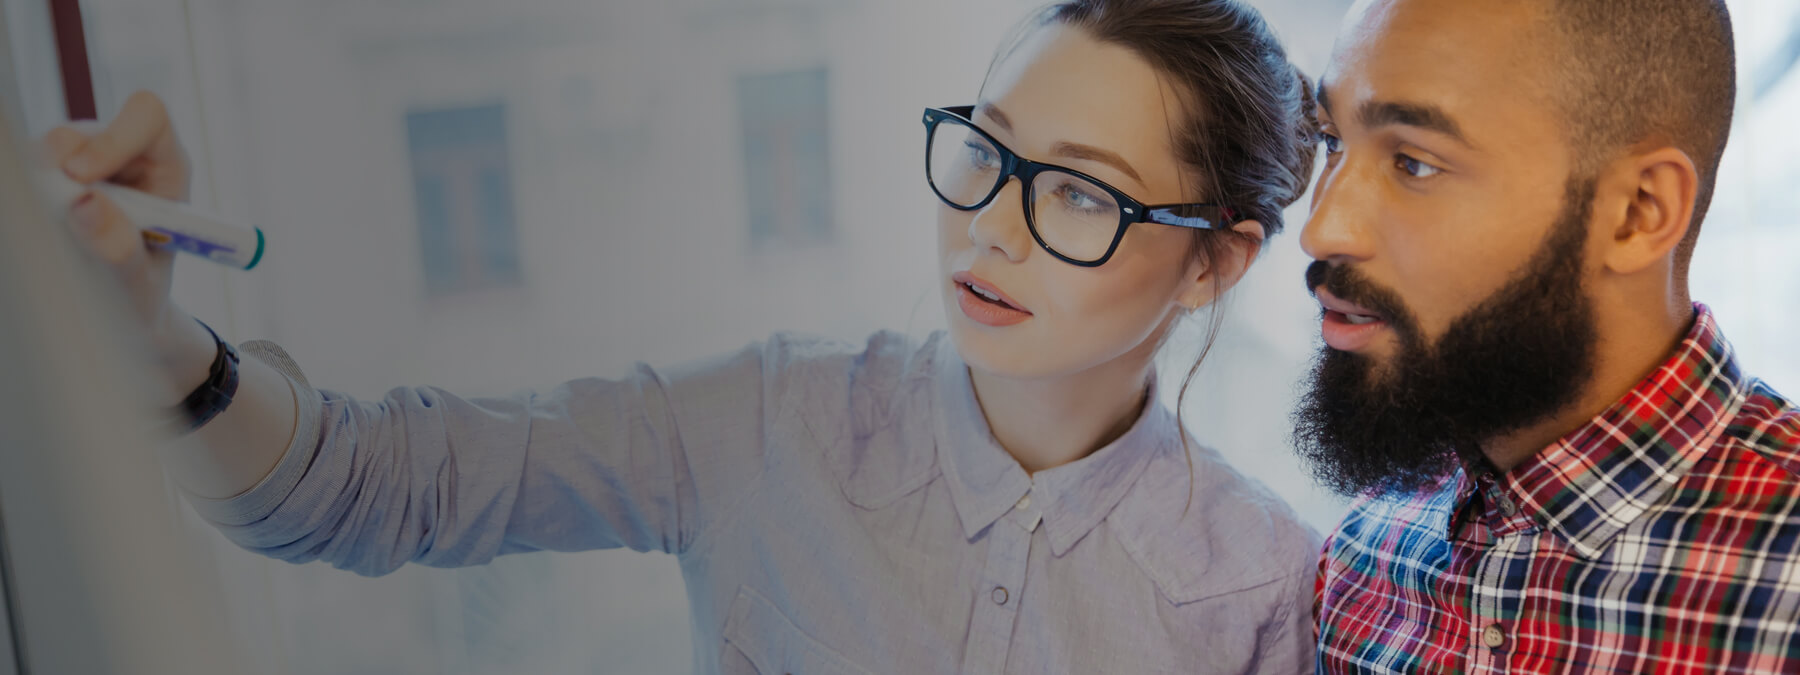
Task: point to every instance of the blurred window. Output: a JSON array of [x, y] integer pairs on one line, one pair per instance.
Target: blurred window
[[787, 173], [463, 185]]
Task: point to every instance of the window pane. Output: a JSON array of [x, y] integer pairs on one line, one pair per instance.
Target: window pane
[[464, 194], [787, 175]]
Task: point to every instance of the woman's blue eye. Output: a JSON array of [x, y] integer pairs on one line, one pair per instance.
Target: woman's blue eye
[[1079, 199], [1415, 168], [980, 155], [1333, 144]]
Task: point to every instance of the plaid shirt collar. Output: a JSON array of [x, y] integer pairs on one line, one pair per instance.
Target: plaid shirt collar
[[1593, 482]]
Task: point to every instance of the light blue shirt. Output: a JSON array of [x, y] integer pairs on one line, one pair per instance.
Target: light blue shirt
[[835, 509]]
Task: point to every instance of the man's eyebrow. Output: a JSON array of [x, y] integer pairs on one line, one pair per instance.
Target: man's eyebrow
[[1065, 148], [1418, 115]]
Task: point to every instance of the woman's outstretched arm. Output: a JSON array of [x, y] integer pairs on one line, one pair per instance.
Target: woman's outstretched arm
[[421, 475], [644, 461]]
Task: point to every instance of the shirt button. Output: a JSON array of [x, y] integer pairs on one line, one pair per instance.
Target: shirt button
[[1493, 636], [1507, 506], [999, 595]]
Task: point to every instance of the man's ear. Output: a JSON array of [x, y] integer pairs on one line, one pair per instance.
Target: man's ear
[[1658, 190], [1207, 282]]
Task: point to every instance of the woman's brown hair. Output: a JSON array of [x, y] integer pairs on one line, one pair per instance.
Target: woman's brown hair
[[1247, 132]]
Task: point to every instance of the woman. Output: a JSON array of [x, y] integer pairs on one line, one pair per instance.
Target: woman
[[1007, 496]]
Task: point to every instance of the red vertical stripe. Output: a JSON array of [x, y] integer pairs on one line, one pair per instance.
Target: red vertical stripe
[[71, 52]]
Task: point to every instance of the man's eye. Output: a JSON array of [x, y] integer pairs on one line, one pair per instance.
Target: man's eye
[[1415, 168]]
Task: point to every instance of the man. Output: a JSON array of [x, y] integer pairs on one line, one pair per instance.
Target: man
[[1560, 467]]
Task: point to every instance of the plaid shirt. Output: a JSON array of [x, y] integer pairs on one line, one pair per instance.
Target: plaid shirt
[[1662, 537]]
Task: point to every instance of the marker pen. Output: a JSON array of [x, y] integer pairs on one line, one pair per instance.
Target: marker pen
[[165, 223]]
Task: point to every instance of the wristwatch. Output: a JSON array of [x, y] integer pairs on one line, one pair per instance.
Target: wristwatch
[[213, 395]]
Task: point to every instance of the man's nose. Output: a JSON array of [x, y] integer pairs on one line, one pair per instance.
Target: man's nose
[[1338, 229]]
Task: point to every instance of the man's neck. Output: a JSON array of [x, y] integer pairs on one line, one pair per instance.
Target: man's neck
[[1631, 345]]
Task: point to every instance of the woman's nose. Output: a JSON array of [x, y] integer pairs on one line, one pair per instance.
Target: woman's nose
[[1001, 224]]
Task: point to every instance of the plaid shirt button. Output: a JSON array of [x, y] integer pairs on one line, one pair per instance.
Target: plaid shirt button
[[1493, 636]]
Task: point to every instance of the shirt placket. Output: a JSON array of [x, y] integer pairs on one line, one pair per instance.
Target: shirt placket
[[1002, 586], [1494, 624]]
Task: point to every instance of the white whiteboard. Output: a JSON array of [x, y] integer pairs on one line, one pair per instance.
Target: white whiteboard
[[96, 577]]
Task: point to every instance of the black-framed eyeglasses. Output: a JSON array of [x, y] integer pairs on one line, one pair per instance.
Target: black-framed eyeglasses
[[1076, 217]]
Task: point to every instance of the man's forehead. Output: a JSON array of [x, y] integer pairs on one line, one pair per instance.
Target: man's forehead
[[1465, 57], [1505, 20]]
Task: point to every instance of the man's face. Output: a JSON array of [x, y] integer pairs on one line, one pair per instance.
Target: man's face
[[1448, 236]]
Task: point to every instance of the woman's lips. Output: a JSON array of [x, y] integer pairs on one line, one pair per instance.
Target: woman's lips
[[985, 303]]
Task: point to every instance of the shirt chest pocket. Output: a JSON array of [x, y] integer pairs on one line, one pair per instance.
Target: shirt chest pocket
[[760, 639]]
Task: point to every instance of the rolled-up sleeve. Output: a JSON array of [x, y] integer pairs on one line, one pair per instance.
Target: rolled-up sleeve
[[643, 461]]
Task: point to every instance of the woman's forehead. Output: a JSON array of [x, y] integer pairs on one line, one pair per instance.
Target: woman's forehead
[[1060, 86]]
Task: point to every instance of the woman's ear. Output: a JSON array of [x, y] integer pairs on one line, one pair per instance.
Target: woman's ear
[[1233, 257]]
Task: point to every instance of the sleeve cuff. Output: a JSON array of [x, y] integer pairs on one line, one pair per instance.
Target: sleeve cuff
[[260, 500]]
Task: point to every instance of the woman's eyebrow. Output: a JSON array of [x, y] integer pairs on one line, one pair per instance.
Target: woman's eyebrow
[[1065, 148], [1091, 153], [993, 112]]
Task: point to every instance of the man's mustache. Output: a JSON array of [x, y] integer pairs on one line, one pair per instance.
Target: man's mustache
[[1350, 286]]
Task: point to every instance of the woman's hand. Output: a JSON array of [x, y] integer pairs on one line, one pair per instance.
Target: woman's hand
[[139, 150]]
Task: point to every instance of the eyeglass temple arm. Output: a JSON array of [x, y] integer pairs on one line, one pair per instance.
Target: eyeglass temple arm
[[1198, 216]]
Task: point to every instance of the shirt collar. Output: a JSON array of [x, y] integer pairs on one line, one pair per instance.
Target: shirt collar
[[1593, 482], [986, 482]]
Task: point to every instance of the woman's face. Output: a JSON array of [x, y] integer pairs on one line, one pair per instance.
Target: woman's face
[[1065, 98]]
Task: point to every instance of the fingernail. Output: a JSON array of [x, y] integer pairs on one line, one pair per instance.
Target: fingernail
[[83, 214]]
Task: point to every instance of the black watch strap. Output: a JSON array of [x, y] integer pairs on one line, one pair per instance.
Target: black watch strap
[[213, 395]]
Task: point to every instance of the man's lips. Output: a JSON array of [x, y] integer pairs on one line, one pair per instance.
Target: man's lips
[[1347, 326], [1333, 303]]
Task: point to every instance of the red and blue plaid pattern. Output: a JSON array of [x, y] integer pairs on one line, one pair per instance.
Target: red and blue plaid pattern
[[1663, 537]]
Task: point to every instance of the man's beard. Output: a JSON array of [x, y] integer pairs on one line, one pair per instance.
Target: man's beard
[[1513, 360]]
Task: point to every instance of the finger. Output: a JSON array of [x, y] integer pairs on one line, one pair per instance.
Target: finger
[[107, 233], [86, 127], [62, 142], [141, 123], [157, 256], [59, 144]]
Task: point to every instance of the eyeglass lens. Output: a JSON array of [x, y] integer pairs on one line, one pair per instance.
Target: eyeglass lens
[[1072, 215]]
